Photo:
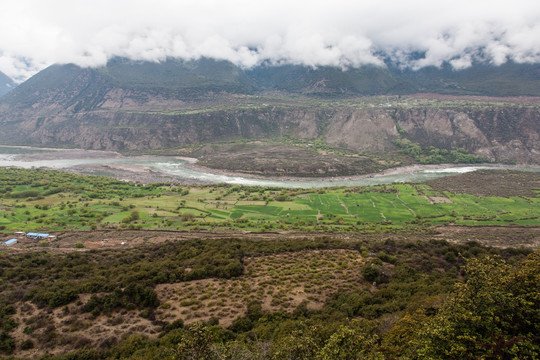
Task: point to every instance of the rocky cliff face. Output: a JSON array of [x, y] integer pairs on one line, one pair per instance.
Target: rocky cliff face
[[117, 109], [496, 133], [499, 134]]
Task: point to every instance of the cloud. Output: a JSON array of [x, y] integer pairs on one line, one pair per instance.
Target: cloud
[[36, 33]]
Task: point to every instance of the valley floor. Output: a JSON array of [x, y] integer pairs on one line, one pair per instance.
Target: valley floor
[[127, 168]]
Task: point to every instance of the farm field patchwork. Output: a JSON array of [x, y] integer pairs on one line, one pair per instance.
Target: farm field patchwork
[[42, 200]]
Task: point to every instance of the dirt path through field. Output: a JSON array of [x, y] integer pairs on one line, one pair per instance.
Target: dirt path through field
[[67, 241]]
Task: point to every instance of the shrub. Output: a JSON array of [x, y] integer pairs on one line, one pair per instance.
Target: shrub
[[187, 216], [134, 216], [371, 272], [24, 194]]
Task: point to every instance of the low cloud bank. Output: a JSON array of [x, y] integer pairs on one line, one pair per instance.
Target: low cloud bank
[[414, 34]]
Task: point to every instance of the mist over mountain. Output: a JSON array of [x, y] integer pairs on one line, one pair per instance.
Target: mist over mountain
[[6, 84], [343, 34]]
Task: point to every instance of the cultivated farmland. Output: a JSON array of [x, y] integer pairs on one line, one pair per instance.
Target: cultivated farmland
[[40, 200]]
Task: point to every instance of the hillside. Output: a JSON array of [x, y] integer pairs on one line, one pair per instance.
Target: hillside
[[134, 106], [509, 79], [146, 271], [6, 84]]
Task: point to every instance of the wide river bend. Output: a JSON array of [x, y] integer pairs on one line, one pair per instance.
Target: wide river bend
[[183, 169]]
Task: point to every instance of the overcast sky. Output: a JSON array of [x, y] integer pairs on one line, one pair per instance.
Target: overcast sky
[[37, 33]]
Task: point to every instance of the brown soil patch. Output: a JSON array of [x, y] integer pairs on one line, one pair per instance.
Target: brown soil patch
[[68, 328], [503, 237], [438, 200], [278, 282], [490, 183], [283, 160], [510, 236], [117, 239]]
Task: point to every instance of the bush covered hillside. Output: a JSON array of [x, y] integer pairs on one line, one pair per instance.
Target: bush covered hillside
[[411, 300]]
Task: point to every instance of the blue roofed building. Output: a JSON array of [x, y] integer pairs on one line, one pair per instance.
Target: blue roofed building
[[32, 235]]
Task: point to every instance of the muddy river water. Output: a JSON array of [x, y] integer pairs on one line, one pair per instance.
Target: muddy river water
[[182, 169]]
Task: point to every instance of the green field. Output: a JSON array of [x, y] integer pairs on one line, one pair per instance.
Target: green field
[[32, 200]]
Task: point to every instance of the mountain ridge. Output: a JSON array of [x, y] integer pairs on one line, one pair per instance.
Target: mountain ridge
[[130, 105], [6, 84], [196, 77]]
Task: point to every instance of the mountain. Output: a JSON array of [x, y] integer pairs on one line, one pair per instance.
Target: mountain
[[85, 88], [6, 84], [509, 79], [176, 76], [368, 80], [133, 105], [185, 79]]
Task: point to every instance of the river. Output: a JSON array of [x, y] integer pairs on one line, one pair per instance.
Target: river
[[183, 169]]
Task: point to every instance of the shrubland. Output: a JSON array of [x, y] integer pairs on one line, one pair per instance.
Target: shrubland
[[425, 299]]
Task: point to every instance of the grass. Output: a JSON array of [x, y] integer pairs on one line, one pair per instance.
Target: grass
[[61, 201]]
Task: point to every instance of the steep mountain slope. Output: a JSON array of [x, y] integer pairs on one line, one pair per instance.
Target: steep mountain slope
[[177, 76], [129, 105], [6, 84], [368, 80], [74, 88], [509, 79], [506, 80]]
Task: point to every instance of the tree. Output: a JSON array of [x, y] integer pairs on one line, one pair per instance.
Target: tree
[[354, 341], [300, 344], [396, 343], [495, 314], [134, 216], [196, 344], [371, 272]]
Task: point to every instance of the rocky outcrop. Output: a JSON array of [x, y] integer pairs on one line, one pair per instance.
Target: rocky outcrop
[[365, 130], [500, 134], [507, 134]]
